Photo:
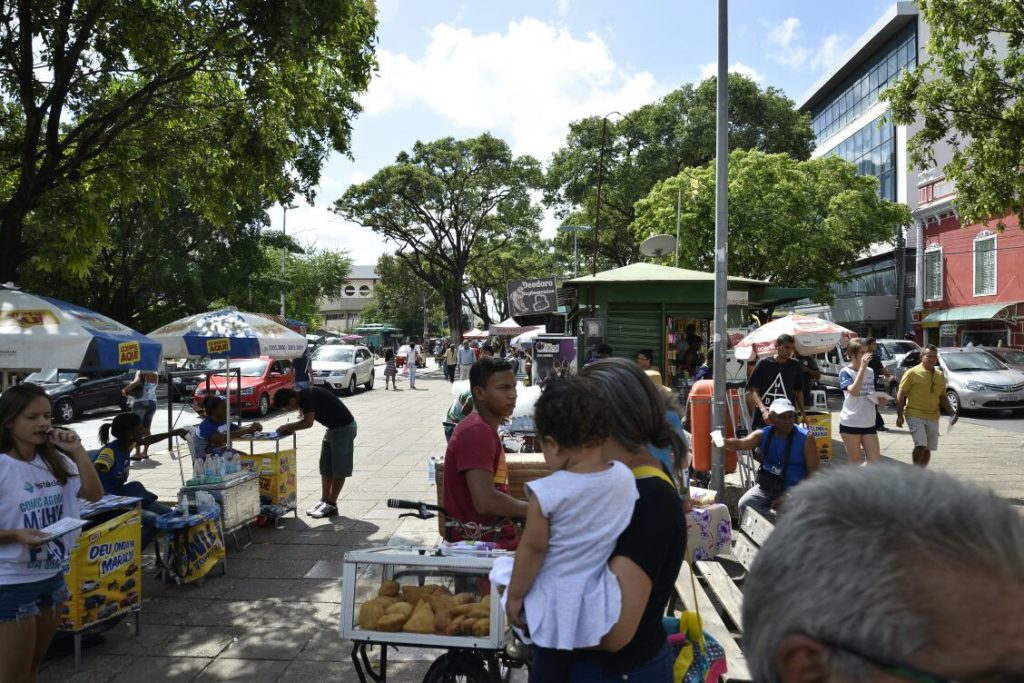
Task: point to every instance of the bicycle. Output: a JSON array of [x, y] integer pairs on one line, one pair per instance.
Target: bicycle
[[467, 664]]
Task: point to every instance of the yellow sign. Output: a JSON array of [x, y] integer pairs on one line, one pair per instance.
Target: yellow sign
[[819, 424], [103, 576], [277, 475], [215, 346], [27, 318], [129, 353], [202, 550]]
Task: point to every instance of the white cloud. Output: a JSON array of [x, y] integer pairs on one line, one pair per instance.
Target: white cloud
[[317, 226], [830, 52], [526, 84], [563, 8], [784, 39], [711, 69]]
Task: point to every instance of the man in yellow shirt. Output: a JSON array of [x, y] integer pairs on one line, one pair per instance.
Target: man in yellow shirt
[[922, 392]]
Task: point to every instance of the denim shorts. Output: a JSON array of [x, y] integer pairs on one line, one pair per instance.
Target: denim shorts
[[26, 600], [145, 410]]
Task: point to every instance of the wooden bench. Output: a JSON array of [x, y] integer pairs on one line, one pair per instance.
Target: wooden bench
[[720, 594]]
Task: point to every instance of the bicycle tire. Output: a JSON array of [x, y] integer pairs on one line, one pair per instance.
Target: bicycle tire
[[457, 667]]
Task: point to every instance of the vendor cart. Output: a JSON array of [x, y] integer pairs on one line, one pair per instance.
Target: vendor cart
[[277, 470]]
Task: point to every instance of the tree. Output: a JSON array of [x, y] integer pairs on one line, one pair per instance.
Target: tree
[[488, 276], [653, 143], [968, 93], [448, 204], [796, 223], [87, 86], [399, 298]]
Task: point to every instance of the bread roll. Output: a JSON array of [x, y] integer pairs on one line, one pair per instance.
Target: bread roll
[[422, 619], [482, 627], [402, 608], [389, 589], [454, 627], [369, 614], [463, 599], [392, 622]]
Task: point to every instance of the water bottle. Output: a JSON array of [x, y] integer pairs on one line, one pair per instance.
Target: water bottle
[[432, 470]]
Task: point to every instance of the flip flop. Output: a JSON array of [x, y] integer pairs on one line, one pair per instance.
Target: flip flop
[[136, 458]]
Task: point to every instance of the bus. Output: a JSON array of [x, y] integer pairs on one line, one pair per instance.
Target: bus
[[379, 336]]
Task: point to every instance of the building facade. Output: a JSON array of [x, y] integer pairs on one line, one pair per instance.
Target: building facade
[[850, 120], [341, 312]]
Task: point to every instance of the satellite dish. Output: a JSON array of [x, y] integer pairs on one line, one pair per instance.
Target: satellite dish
[[658, 245]]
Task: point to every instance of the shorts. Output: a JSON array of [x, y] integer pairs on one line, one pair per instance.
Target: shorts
[[26, 600], [336, 451], [301, 384], [844, 429], [145, 410], [924, 432]]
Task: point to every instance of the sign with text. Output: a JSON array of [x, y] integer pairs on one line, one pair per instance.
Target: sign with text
[[553, 357], [532, 297]]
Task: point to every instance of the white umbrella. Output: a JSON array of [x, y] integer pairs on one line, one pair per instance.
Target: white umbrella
[[527, 337], [811, 336], [228, 333]]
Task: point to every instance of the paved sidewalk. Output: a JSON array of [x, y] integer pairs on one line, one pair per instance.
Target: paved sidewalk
[[274, 617]]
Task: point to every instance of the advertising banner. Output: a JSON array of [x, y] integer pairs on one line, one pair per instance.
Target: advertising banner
[[103, 574], [202, 549], [277, 476], [553, 357], [532, 297]]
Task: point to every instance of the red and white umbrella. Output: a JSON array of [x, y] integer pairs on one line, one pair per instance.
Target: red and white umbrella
[[476, 334], [812, 336]]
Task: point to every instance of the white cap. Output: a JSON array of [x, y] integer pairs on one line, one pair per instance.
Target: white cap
[[780, 406]]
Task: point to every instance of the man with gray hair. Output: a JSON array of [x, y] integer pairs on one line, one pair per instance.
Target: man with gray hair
[[888, 573]]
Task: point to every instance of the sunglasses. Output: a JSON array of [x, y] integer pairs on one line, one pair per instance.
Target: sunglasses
[[899, 669]]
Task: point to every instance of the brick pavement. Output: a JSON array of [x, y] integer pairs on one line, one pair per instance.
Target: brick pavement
[[274, 617]]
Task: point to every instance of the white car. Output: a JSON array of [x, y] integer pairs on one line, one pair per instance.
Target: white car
[[342, 367]]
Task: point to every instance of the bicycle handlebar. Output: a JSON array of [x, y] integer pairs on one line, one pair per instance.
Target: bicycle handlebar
[[422, 510]]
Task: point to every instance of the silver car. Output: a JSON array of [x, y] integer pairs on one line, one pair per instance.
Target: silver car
[[1008, 356], [342, 367], [977, 381]]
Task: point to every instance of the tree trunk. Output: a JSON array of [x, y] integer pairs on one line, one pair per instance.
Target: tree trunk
[[453, 309], [13, 253]]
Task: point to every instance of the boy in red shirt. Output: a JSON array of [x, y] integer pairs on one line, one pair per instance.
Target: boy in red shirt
[[475, 471]]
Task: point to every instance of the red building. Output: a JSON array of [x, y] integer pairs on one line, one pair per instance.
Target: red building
[[971, 278]]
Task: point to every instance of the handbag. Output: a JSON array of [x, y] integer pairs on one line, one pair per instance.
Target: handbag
[[771, 483]]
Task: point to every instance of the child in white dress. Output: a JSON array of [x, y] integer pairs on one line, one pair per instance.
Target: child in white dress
[[561, 587]]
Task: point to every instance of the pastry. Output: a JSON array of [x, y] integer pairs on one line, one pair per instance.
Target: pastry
[[482, 627], [467, 626], [454, 627], [389, 589], [442, 613], [392, 622], [463, 599], [422, 619], [369, 614], [486, 602], [402, 608]]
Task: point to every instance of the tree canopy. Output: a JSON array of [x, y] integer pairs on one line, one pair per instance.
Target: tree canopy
[[93, 90], [795, 223], [653, 143], [448, 204], [969, 93], [522, 258]]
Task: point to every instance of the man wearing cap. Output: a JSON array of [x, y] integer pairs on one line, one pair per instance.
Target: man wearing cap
[[787, 452]]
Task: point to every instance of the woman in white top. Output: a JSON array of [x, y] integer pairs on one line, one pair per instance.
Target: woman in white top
[[561, 586], [857, 419], [144, 406], [43, 471]]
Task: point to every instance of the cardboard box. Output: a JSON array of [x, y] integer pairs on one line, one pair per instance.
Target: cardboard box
[[277, 476]]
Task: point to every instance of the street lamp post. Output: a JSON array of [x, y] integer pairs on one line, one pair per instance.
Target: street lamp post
[[600, 181], [720, 335], [575, 230], [284, 248]]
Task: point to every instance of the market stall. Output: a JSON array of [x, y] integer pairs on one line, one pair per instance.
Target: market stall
[[193, 545], [277, 473]]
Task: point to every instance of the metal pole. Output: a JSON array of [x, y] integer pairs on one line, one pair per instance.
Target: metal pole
[[600, 180], [575, 255], [284, 250], [719, 337], [679, 210]]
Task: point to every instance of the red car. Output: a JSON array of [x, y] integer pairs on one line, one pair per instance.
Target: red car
[[261, 379]]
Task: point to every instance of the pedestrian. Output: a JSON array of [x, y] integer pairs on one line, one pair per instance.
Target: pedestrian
[[645, 359], [857, 426], [300, 366], [922, 392], [338, 446], [880, 371], [460, 409], [144, 387], [561, 587], [113, 465], [787, 452], [466, 360], [888, 573], [43, 473], [603, 351], [390, 370], [776, 377], [1000, 343], [451, 361], [212, 434], [706, 369], [486, 351], [812, 373], [410, 361]]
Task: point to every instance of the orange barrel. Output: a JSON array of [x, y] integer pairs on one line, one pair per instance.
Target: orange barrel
[[701, 394]]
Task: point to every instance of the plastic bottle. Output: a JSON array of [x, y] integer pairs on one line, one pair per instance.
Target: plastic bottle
[[432, 470]]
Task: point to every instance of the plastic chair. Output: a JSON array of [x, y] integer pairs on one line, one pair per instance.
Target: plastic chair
[[819, 400]]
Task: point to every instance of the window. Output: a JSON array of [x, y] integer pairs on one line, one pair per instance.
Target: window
[[985, 264], [933, 273], [350, 290], [364, 290]]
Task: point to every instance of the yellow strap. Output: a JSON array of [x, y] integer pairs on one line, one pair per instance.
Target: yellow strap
[[649, 471]]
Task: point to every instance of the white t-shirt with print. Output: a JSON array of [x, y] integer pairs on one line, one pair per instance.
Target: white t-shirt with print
[[32, 498]]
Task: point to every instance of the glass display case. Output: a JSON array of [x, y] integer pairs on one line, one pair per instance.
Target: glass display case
[[417, 596]]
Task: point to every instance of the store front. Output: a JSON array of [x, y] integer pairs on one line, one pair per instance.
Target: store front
[[981, 325]]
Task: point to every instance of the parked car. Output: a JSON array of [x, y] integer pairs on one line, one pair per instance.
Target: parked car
[[1013, 358], [403, 355], [262, 378], [73, 392], [342, 367], [975, 380]]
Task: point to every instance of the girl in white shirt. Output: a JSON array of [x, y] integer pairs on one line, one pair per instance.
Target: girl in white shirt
[[857, 419], [42, 473]]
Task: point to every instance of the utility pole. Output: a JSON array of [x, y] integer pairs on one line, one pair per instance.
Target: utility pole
[[284, 248], [720, 335]]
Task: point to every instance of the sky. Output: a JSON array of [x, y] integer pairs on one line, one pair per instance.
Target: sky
[[524, 70]]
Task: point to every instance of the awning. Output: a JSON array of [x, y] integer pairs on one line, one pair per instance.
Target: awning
[[960, 313]]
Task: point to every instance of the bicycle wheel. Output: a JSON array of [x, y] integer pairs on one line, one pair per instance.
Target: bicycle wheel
[[457, 667]]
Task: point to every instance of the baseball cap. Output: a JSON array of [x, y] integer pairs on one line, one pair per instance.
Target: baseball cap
[[780, 406]]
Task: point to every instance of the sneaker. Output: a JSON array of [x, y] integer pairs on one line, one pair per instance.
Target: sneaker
[[311, 512], [325, 510]]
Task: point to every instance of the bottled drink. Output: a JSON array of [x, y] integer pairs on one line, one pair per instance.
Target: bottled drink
[[432, 470]]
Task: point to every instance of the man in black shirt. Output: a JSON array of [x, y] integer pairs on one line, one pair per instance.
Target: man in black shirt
[[880, 384], [777, 377], [336, 451]]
